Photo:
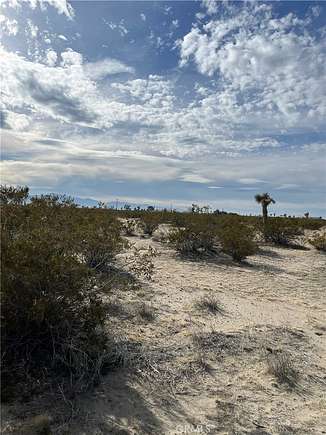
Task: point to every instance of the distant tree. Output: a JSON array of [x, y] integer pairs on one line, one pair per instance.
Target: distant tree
[[194, 208], [101, 204], [127, 207], [206, 208], [306, 215], [264, 200], [13, 195], [150, 208]]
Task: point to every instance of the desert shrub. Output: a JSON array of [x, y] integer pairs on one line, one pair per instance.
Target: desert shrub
[[281, 231], [319, 242], [150, 222], [52, 318], [146, 312], [237, 240], [177, 219], [311, 223], [193, 240], [210, 304], [129, 227], [141, 262], [98, 238], [282, 368]]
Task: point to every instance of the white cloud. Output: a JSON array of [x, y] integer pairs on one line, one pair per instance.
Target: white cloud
[[65, 93], [267, 68], [289, 186], [316, 10], [62, 37], [71, 57], [62, 6], [49, 162], [120, 27], [32, 29], [154, 91], [250, 181], [15, 121], [8, 26], [195, 178], [211, 6], [143, 17], [51, 57], [102, 68]]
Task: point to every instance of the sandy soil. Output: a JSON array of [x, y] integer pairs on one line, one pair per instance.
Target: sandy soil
[[209, 373]]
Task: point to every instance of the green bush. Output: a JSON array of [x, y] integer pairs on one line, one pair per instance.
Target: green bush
[[319, 242], [237, 240], [150, 221], [52, 318], [281, 231], [129, 227], [193, 240]]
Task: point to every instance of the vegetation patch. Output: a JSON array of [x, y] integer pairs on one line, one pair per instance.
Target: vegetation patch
[[281, 367], [210, 304], [237, 240], [319, 242], [194, 240], [220, 343], [53, 317], [281, 231], [146, 312]]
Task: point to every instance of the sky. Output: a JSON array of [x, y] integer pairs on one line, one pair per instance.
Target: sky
[[166, 103]]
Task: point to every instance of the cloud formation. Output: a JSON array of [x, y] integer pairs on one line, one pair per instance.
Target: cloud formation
[[241, 107], [62, 6], [270, 70]]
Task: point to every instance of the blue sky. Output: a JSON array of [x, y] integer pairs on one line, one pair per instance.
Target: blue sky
[[166, 102]]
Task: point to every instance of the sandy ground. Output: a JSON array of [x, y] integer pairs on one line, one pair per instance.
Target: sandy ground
[[209, 373]]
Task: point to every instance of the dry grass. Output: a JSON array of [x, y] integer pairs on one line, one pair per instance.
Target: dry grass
[[210, 304], [219, 343], [146, 312], [281, 367]]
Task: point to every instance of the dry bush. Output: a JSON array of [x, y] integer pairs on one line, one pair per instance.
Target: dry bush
[[219, 343], [210, 304], [150, 222], [129, 227], [193, 240], [146, 312], [162, 233], [281, 231], [52, 324], [237, 240], [281, 367], [311, 223], [202, 362], [140, 261], [319, 242]]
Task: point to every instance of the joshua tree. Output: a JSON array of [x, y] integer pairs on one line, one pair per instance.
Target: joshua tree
[[264, 199]]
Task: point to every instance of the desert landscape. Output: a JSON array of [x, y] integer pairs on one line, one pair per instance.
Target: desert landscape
[[163, 217], [201, 343], [212, 369]]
